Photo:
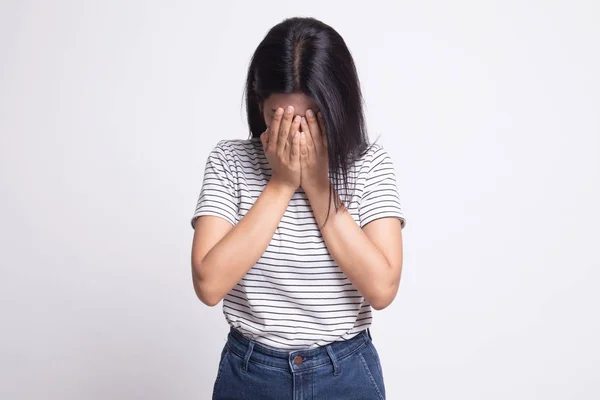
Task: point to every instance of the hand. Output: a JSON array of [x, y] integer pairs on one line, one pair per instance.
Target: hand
[[314, 158], [281, 144]]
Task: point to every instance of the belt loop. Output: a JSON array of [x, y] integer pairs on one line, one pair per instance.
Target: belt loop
[[247, 357], [336, 370], [369, 333]]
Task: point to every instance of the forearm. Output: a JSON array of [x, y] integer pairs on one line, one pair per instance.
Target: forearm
[[231, 258], [360, 260]]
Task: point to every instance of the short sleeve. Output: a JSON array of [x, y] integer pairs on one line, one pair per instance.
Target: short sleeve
[[380, 198], [218, 196]]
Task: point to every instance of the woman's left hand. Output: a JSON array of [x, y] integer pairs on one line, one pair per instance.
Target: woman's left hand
[[314, 160]]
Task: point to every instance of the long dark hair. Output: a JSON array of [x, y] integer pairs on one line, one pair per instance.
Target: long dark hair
[[305, 55]]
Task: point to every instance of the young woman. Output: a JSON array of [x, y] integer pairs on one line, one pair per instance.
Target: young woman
[[298, 228]]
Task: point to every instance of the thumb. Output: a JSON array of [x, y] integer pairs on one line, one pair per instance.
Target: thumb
[[264, 137]]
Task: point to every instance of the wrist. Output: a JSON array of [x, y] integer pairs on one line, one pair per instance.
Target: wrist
[[319, 189], [281, 188]]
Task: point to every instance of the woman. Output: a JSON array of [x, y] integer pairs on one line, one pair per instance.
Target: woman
[[299, 254]]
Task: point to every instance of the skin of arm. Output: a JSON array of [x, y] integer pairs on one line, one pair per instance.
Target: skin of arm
[[371, 257], [222, 253]]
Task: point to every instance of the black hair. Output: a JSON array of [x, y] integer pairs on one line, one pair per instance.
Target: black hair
[[305, 55]]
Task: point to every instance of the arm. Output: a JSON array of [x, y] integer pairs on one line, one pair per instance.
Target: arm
[[222, 253], [370, 257]]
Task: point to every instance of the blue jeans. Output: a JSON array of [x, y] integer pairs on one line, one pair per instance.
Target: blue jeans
[[342, 370]]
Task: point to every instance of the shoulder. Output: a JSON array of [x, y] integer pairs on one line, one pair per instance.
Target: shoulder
[[380, 159], [227, 151], [371, 156], [238, 147], [377, 151]]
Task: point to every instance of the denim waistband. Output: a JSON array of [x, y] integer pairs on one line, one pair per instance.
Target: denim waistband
[[294, 360]]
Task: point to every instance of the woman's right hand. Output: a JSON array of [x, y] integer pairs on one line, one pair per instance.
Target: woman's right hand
[[281, 144]]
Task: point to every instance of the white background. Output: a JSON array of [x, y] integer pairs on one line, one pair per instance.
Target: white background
[[490, 110]]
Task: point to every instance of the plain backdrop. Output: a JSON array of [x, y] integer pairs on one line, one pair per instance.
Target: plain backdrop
[[490, 110]]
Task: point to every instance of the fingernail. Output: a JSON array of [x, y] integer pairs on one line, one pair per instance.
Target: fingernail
[[303, 120], [289, 109], [297, 118], [320, 114], [310, 113], [279, 111]]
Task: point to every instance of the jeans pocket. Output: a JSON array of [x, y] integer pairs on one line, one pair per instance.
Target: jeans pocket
[[224, 355], [376, 355], [372, 369]]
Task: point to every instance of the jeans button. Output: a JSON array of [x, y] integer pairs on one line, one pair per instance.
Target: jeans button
[[298, 360]]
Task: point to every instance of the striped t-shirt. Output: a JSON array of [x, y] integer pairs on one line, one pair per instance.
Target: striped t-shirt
[[295, 296]]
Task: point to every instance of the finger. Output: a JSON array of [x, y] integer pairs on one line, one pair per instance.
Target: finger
[[303, 149], [310, 140], [284, 129], [264, 137], [274, 128], [295, 153], [310, 143], [314, 129], [294, 128]]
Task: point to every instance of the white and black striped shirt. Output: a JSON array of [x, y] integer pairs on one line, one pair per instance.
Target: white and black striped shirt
[[295, 296]]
